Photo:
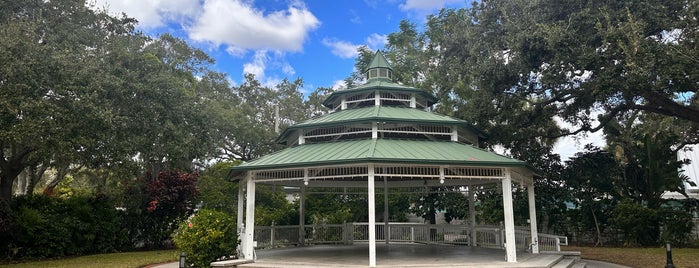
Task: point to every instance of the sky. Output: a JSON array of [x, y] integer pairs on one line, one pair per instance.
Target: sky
[[315, 40]]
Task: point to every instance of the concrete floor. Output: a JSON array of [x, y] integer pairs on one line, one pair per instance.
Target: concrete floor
[[395, 255]]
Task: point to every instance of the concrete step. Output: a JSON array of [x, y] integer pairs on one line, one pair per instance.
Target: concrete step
[[566, 262], [579, 264]]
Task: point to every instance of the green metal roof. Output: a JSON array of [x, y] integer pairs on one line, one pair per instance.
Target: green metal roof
[[380, 151], [378, 113], [380, 85], [379, 61]]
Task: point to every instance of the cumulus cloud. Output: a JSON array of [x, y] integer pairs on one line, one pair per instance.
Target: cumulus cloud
[[426, 5], [375, 40], [342, 49], [238, 24], [258, 65], [264, 60], [152, 13], [347, 50]]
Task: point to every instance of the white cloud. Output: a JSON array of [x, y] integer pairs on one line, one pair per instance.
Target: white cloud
[[264, 60], [339, 85], [152, 13], [342, 49], [236, 51], [426, 5], [258, 65], [237, 23], [375, 41], [347, 50]]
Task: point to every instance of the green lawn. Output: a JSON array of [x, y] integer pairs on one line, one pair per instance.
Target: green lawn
[[640, 257], [112, 260]]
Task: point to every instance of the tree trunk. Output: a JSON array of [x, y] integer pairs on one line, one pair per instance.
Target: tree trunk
[[60, 174], [599, 233], [33, 177]]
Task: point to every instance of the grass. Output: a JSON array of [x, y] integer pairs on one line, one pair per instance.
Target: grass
[[112, 260], [640, 257]]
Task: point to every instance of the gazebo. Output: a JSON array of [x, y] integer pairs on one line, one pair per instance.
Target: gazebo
[[381, 133]]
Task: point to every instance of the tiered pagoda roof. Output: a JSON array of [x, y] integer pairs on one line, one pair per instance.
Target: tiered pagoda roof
[[380, 122]]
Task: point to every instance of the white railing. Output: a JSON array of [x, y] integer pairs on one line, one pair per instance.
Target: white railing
[[486, 236]]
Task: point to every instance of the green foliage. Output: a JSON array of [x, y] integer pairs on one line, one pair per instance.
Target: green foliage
[[638, 223], [271, 207], [334, 209], [215, 192], [440, 199], [207, 236], [676, 226], [46, 227]]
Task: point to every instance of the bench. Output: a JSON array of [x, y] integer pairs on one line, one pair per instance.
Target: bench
[[230, 263]]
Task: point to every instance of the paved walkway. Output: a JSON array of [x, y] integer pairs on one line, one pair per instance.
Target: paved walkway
[[398, 255]]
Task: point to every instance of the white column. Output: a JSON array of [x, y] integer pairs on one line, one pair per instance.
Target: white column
[[377, 98], [472, 214], [302, 139], [372, 216], [343, 103], [374, 130], [302, 215], [413, 104], [241, 213], [241, 202], [249, 220], [532, 218], [510, 249], [386, 231], [454, 134]]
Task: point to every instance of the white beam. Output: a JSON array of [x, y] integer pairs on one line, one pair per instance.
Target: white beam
[[532, 218], [377, 98], [372, 216], [510, 245], [249, 219]]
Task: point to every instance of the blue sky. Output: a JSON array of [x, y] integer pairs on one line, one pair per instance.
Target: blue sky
[[315, 40]]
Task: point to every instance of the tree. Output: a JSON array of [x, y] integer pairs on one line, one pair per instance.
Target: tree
[[156, 204], [647, 149], [595, 179], [51, 81]]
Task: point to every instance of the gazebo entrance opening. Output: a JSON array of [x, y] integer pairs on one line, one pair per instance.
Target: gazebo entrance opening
[[377, 179]]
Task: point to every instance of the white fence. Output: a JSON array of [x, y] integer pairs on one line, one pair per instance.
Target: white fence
[[486, 236]]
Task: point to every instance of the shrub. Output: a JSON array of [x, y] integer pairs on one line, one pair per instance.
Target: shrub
[[639, 224], [206, 237], [45, 227], [155, 204], [677, 226]]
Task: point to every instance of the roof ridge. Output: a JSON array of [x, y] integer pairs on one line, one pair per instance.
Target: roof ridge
[[372, 148]]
